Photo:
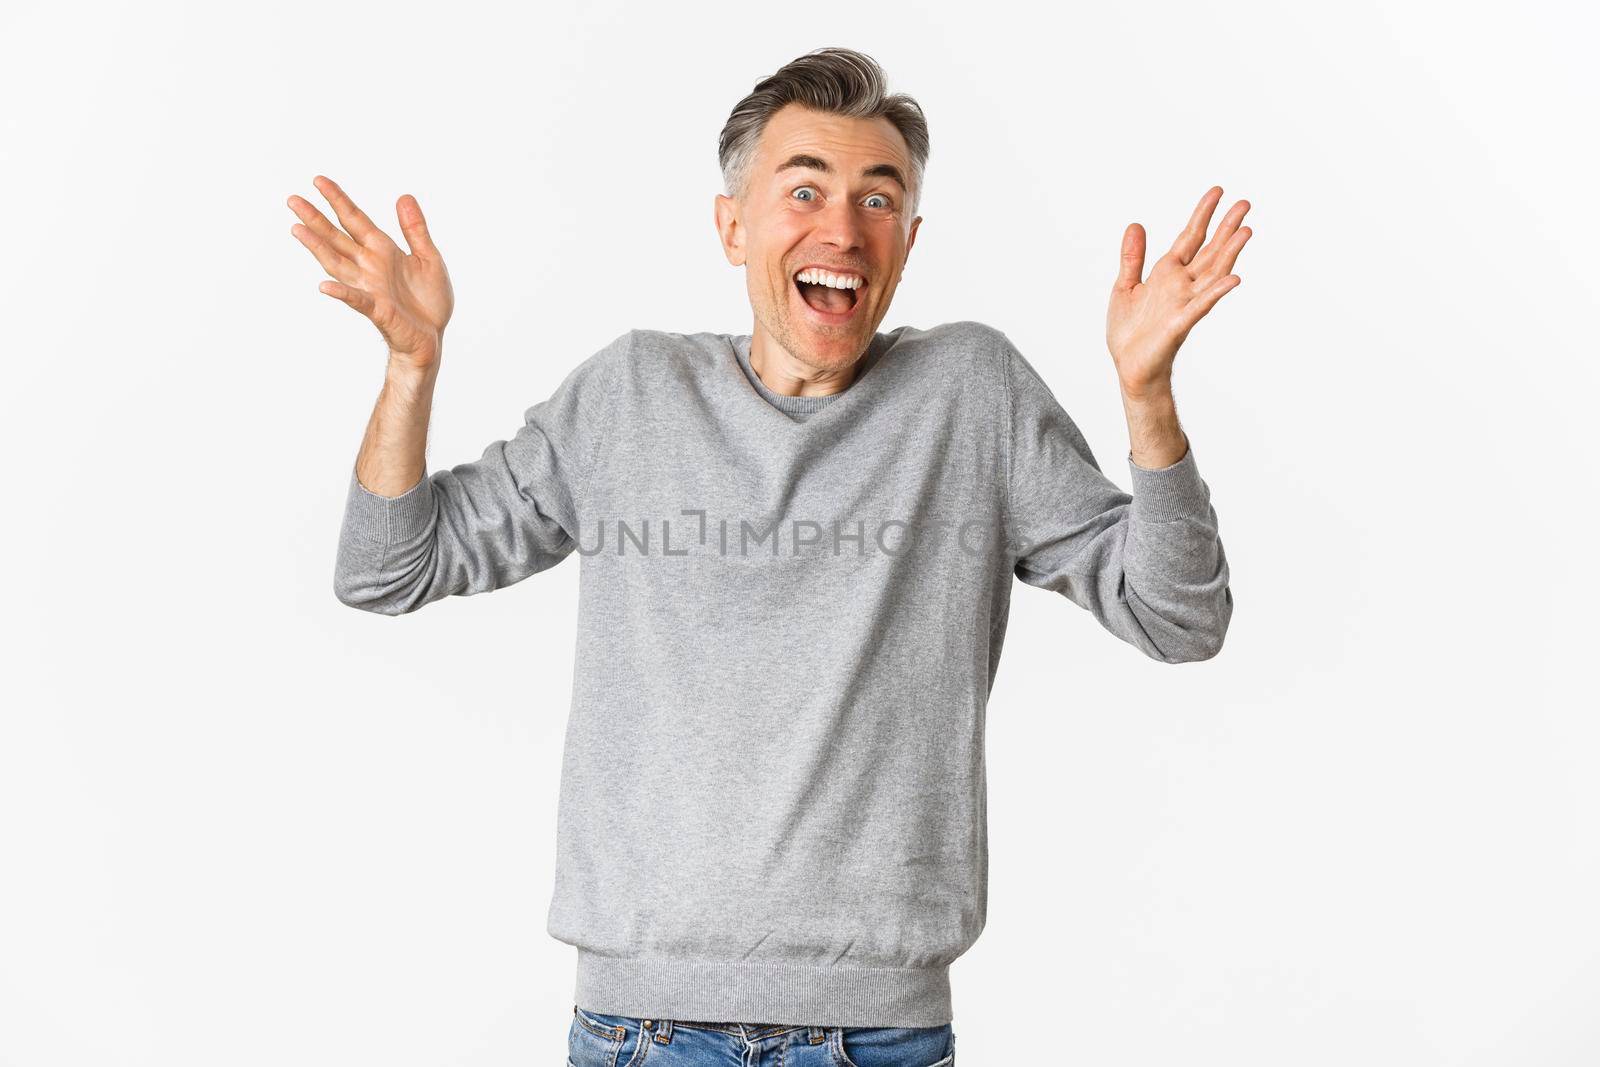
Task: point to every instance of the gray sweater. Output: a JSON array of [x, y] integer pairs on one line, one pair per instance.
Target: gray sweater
[[791, 610]]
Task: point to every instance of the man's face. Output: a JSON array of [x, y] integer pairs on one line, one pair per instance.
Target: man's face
[[823, 193]]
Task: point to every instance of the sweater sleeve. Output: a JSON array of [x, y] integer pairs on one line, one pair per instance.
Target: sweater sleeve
[[1148, 565], [481, 525]]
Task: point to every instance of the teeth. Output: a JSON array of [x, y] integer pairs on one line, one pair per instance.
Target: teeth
[[833, 281]]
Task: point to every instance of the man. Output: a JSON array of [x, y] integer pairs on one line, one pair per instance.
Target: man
[[797, 549]]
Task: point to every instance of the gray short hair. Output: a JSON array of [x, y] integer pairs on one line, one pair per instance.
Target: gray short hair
[[838, 81]]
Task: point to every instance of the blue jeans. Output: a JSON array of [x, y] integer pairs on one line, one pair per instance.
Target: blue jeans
[[598, 1040]]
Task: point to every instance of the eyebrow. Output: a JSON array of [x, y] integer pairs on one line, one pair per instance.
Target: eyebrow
[[877, 170]]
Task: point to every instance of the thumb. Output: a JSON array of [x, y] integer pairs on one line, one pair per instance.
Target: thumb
[[415, 227], [1132, 268]]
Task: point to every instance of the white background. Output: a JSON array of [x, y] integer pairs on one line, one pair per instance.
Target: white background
[[241, 823]]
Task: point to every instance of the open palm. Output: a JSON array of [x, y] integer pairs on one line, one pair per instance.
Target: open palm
[[407, 297], [1148, 320]]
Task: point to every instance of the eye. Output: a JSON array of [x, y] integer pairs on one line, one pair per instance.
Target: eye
[[887, 203], [804, 189]]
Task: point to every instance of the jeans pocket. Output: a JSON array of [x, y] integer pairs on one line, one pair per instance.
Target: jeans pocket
[[896, 1046], [599, 1040]]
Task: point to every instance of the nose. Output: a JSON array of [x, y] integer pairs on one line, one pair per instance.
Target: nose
[[839, 225]]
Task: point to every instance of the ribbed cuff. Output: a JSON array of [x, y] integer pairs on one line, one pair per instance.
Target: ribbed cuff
[[1175, 491], [386, 520]]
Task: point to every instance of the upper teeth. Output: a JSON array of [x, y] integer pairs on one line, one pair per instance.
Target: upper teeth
[[835, 281]]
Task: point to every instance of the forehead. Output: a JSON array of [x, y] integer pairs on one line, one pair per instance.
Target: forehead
[[843, 140]]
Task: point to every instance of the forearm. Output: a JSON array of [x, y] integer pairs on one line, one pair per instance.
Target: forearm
[[393, 455], [468, 528], [1155, 439]]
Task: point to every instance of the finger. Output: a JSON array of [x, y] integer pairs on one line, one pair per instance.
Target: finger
[[319, 225], [415, 227], [351, 217], [1221, 261], [1225, 229], [1197, 308], [1231, 250], [1188, 242], [1132, 268], [336, 265], [359, 299]]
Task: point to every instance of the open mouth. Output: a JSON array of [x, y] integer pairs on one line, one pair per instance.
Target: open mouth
[[832, 298]]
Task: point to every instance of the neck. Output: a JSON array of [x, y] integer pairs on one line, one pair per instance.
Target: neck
[[789, 375]]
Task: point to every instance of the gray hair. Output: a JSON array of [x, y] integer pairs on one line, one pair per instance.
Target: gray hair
[[838, 81]]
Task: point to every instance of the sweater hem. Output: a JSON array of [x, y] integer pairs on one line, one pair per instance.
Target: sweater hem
[[792, 992]]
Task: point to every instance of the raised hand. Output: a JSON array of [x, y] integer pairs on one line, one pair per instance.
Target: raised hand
[[407, 297], [1148, 320]]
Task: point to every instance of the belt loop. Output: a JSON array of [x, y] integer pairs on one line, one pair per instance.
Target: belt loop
[[818, 1035], [664, 1031]]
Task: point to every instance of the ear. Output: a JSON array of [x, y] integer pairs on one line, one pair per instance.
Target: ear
[[729, 229], [911, 240]]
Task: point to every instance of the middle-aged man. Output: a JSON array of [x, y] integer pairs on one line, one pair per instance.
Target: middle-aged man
[[797, 549]]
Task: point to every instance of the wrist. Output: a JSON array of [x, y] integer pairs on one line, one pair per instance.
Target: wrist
[[1149, 391], [405, 372]]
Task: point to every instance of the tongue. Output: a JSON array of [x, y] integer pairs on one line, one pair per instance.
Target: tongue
[[827, 298]]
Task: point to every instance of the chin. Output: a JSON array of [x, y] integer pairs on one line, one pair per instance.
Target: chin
[[832, 349]]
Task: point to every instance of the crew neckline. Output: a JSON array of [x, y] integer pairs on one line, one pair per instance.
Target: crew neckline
[[790, 406]]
